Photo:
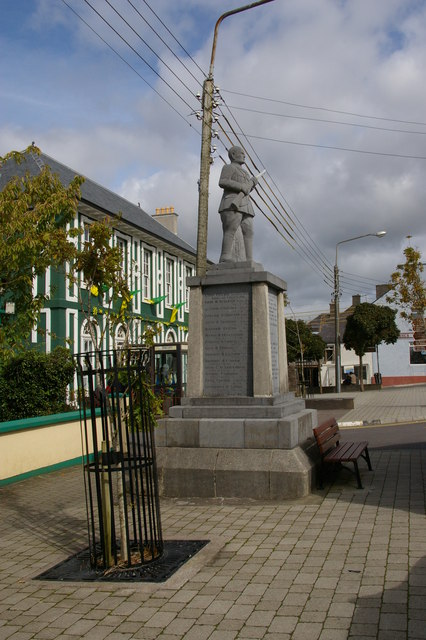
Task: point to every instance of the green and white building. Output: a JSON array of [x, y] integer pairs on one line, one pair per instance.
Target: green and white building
[[156, 260]]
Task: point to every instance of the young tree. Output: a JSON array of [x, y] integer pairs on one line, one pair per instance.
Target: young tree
[[34, 212], [303, 344], [105, 293], [105, 297], [408, 290], [367, 327]]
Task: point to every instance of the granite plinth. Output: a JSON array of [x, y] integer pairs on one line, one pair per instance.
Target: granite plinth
[[212, 454], [234, 473], [239, 432], [237, 344], [248, 427]]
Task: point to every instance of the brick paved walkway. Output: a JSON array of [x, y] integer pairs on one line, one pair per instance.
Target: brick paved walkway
[[386, 406], [337, 565]]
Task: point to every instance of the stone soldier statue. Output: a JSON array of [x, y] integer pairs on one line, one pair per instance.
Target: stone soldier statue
[[236, 210]]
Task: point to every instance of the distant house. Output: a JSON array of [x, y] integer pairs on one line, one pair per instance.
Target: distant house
[[156, 260], [399, 363], [396, 364], [324, 325]]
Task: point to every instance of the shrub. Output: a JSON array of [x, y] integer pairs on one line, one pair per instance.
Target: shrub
[[35, 384]]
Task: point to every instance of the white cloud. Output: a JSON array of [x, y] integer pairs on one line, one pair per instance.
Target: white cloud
[[81, 104]]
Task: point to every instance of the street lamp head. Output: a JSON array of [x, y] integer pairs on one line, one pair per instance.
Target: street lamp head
[[380, 234]]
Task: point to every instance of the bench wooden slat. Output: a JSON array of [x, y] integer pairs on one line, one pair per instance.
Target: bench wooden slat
[[327, 436], [347, 451], [330, 443]]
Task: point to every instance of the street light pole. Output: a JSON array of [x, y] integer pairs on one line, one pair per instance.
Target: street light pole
[[207, 103], [337, 354]]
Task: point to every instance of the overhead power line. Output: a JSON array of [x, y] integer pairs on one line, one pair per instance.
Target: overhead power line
[[306, 106], [175, 39], [146, 44], [339, 122], [127, 63], [137, 53], [283, 221], [284, 218], [164, 42], [325, 146], [270, 204]]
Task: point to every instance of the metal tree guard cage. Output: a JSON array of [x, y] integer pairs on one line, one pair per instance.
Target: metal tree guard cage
[[122, 498]]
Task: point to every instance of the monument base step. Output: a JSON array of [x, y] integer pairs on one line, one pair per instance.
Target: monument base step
[[260, 474], [283, 425]]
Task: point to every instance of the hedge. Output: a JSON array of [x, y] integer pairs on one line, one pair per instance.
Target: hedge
[[35, 384]]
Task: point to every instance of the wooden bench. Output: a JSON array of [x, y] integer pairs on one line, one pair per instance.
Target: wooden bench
[[327, 436]]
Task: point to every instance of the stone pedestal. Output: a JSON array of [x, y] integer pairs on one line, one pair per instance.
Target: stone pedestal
[[239, 432]]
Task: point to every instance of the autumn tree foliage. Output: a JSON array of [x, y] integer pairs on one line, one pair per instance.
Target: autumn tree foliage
[[408, 290]]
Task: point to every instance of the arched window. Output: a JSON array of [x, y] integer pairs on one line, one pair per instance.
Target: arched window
[[89, 336], [171, 336], [120, 336]]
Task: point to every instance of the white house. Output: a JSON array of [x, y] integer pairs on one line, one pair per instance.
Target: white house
[[399, 363]]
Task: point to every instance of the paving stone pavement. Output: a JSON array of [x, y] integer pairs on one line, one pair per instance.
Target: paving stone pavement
[[342, 563], [384, 406]]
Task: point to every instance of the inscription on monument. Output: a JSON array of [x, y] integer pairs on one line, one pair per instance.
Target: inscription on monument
[[227, 341], [273, 331]]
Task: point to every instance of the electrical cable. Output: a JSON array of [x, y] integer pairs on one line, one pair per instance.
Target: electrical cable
[[128, 64], [346, 124], [317, 250], [221, 127], [310, 256], [280, 204], [305, 106], [174, 37], [323, 146], [164, 42], [361, 277], [149, 47], [138, 54], [298, 249]]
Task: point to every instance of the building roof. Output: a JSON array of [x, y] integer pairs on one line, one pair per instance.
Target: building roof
[[324, 324], [95, 195]]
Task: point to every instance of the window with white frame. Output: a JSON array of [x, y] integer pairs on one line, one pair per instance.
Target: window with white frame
[[169, 282], [171, 336], [120, 336], [122, 245], [146, 274], [188, 274], [86, 233], [417, 355], [89, 335]]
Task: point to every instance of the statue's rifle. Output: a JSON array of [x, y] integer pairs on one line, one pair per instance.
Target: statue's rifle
[[239, 197]]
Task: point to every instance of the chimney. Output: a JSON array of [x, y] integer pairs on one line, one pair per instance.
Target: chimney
[[356, 300], [381, 289], [167, 217]]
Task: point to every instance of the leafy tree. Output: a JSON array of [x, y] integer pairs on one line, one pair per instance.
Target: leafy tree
[[34, 212], [302, 343], [98, 265], [408, 290], [367, 327]]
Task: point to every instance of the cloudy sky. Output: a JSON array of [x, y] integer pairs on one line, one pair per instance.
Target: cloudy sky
[[327, 95]]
